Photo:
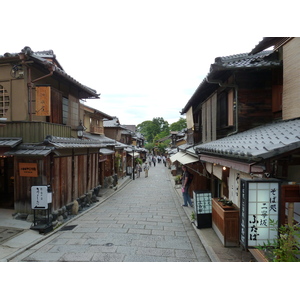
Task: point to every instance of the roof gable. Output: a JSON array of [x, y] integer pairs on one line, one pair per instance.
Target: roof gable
[[47, 60], [244, 61]]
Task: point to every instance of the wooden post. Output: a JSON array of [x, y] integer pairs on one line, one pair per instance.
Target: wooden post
[[290, 213]]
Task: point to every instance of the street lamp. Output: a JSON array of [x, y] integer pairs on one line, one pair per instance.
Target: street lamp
[[133, 178]]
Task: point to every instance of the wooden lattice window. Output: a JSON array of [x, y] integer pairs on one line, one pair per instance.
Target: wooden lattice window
[[4, 102]]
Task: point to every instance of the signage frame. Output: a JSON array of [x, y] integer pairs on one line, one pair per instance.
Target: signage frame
[[248, 235]]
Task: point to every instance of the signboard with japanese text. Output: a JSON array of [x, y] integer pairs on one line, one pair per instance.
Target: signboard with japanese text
[[203, 209], [28, 169], [40, 197], [203, 202], [259, 204], [42, 99]]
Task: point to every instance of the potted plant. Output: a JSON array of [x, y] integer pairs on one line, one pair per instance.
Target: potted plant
[[225, 201], [178, 179]]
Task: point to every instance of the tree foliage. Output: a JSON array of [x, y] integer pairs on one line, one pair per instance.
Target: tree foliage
[[179, 125], [149, 129], [157, 129]]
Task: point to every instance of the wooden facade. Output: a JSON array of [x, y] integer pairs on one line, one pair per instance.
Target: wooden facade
[[70, 177], [261, 94], [39, 101]]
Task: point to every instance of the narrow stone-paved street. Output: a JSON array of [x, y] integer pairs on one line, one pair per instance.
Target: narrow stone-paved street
[[143, 222]]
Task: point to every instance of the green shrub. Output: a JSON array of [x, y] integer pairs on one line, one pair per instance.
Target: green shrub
[[286, 247]]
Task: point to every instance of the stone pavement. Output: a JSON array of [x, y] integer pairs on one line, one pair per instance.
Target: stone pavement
[[142, 221], [26, 238]]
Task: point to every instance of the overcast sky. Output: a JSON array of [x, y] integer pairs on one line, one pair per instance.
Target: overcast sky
[[146, 58]]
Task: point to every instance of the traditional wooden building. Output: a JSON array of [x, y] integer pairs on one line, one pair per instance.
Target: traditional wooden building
[[39, 141], [244, 122]]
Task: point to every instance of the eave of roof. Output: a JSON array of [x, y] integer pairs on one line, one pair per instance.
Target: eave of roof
[[95, 111], [30, 150], [65, 143], [42, 58], [268, 42], [10, 141], [259, 143]]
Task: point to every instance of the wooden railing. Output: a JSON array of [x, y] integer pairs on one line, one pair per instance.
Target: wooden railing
[[33, 132], [97, 129]]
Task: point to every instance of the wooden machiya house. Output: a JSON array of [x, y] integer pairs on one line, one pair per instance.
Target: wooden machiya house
[[39, 119], [244, 120]]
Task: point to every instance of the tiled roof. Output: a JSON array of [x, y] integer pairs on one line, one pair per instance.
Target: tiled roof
[[262, 142], [102, 139], [111, 123], [60, 142], [262, 60], [31, 150], [245, 60], [10, 142], [48, 60]]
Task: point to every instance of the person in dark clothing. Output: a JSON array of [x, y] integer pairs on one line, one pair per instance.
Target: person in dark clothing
[[185, 187]]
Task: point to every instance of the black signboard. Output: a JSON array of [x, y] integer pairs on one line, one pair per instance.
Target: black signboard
[[203, 208]]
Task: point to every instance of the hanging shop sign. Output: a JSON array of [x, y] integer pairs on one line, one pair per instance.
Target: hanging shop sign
[[259, 204], [28, 169], [42, 99]]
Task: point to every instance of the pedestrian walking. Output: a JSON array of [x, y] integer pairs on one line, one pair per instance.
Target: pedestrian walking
[[154, 161], [138, 170], [164, 160], [186, 181], [146, 169]]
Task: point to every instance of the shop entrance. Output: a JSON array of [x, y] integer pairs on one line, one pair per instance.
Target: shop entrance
[[7, 182]]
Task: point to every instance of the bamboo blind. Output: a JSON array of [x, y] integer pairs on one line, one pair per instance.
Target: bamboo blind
[[291, 80]]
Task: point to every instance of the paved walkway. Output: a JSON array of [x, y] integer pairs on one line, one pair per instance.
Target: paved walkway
[[143, 222]]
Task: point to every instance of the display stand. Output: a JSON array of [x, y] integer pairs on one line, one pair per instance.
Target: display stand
[[203, 209], [41, 199]]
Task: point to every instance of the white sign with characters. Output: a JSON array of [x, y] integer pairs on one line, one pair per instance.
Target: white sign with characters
[[39, 197]]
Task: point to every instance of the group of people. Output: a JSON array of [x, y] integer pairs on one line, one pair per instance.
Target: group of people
[[157, 159], [186, 176], [139, 168], [151, 159]]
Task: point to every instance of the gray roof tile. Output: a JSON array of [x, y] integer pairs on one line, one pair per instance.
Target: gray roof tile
[[10, 142], [244, 60], [262, 142]]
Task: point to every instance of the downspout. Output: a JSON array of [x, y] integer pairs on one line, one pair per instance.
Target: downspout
[[221, 84]]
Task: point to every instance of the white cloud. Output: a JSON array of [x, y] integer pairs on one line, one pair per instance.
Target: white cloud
[[146, 58]]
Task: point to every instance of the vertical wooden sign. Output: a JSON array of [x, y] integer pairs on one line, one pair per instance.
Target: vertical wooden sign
[[43, 100]]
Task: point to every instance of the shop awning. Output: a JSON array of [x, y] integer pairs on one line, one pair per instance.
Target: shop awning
[[188, 159], [176, 156], [135, 154], [183, 158]]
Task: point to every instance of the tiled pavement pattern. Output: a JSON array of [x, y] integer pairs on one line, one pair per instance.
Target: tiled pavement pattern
[[144, 222]]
